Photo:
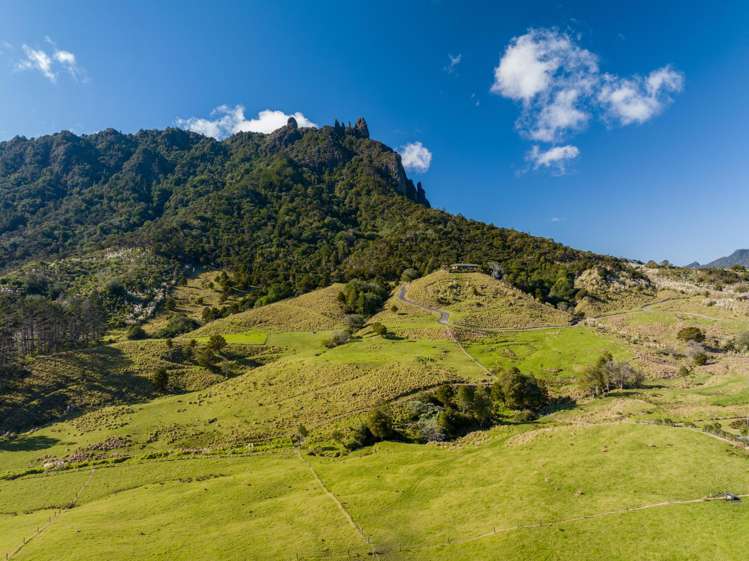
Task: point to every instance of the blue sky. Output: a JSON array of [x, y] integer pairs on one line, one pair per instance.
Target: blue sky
[[646, 159]]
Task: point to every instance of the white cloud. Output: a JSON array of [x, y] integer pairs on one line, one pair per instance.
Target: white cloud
[[454, 62], [49, 64], [415, 157], [560, 89], [637, 100], [37, 59], [231, 120], [555, 158]]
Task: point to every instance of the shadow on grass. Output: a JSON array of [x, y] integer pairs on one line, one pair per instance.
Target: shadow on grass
[[27, 443]]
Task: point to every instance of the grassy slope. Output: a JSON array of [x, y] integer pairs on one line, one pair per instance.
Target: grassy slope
[[553, 489], [314, 311], [477, 300]]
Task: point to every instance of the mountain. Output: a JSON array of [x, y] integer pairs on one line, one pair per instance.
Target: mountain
[[286, 212], [738, 257]]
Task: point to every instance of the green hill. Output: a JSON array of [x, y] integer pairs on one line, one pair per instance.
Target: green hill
[[288, 211]]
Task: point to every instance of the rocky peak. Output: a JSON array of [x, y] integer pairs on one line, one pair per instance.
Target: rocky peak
[[361, 128], [292, 124]]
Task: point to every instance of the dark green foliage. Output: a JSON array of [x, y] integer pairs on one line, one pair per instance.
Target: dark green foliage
[[177, 325], [410, 274], [700, 359], [216, 343], [135, 333], [285, 212], [35, 325], [687, 334], [161, 379], [380, 425], [205, 357], [519, 391], [362, 297], [379, 329]]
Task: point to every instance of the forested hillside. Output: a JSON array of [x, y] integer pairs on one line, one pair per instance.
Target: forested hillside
[[285, 212]]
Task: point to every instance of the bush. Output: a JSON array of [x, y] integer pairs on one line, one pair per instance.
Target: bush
[[379, 329], [410, 275], [608, 374], [161, 379], [742, 342], [363, 297], [205, 357], [380, 425], [177, 325], [688, 334], [700, 359], [136, 333], [519, 391], [216, 343], [339, 338]]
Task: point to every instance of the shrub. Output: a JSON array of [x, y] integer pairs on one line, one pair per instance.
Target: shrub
[[742, 341], [519, 391], [161, 379], [339, 338], [136, 333], [205, 357], [379, 329], [607, 374], [410, 275], [379, 424], [700, 359], [177, 325], [687, 334], [362, 297], [216, 343]]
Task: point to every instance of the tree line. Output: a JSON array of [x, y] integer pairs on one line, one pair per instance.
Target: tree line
[[36, 325]]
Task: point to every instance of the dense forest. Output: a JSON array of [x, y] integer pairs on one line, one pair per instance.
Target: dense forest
[[283, 213]]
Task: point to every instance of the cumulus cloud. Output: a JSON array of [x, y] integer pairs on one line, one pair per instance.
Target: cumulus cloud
[[49, 64], [555, 158], [227, 121], [637, 100], [415, 157], [453, 63], [560, 88]]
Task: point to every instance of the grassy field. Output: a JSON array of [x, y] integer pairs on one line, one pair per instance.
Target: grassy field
[[547, 353], [534, 492], [209, 472]]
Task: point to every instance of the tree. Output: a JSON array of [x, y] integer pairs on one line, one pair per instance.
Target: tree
[[465, 397], [688, 334], [379, 424], [216, 343], [136, 333], [519, 391], [205, 357], [607, 373], [161, 379]]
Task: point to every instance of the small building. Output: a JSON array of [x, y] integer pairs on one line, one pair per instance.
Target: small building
[[464, 268]]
